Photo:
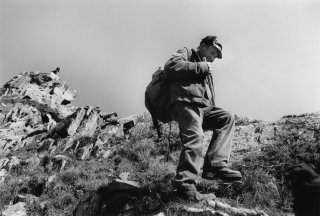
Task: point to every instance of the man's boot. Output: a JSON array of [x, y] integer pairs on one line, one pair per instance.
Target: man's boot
[[223, 173]]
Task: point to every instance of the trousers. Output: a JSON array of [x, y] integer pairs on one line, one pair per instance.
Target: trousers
[[192, 120]]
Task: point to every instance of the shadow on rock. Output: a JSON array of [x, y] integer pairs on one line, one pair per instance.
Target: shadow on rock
[[305, 183], [124, 198]]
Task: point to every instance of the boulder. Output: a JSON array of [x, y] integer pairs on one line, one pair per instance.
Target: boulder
[[17, 209], [31, 104]]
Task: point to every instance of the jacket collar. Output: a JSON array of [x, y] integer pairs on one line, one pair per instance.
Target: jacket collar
[[195, 56]]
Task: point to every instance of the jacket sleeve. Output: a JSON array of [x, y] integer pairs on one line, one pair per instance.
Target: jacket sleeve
[[179, 68]]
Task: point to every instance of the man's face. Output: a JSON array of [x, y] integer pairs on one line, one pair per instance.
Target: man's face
[[210, 52]]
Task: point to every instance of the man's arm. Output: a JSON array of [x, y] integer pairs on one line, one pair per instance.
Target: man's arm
[[179, 68]]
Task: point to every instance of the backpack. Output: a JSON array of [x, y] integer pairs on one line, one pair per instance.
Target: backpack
[[157, 99]]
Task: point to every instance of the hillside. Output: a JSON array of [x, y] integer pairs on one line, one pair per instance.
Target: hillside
[[58, 159]]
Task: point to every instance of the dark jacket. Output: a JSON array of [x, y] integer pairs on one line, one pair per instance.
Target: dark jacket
[[189, 79]]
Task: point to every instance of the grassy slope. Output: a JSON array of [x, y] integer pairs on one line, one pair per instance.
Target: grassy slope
[[261, 153]]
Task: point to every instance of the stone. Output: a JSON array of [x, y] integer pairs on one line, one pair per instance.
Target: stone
[[124, 176], [28, 199], [191, 211], [98, 151], [14, 162], [128, 122], [120, 185], [160, 214], [50, 180], [17, 209], [3, 162], [84, 153], [3, 175], [59, 162], [45, 145]]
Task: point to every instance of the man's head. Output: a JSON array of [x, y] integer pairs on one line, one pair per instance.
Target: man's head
[[210, 48]]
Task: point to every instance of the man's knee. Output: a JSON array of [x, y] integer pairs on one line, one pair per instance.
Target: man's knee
[[230, 118], [227, 118], [193, 136]]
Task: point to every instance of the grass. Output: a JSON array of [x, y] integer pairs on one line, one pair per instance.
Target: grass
[[145, 157]]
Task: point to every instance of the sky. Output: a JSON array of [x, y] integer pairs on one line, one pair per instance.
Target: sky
[[107, 50]]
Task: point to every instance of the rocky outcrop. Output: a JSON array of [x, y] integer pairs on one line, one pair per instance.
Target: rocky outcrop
[[35, 109]]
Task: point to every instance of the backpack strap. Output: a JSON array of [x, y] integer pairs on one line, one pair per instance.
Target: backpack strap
[[156, 125]]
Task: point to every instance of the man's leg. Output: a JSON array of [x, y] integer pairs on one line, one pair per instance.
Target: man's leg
[[218, 154], [189, 118]]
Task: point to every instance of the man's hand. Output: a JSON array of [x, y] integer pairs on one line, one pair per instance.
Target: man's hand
[[209, 64]]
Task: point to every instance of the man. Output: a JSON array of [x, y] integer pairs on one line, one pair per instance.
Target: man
[[193, 107]]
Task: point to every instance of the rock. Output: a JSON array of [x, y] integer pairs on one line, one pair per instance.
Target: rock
[[44, 89], [9, 163], [47, 145], [84, 153], [28, 199], [35, 108], [232, 211], [3, 162], [190, 211], [17, 209], [124, 176], [50, 180], [59, 162], [108, 131], [160, 214], [32, 104], [128, 122], [120, 185], [98, 151], [3, 175], [75, 128]]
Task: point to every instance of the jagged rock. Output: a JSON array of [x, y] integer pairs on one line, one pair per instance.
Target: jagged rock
[[57, 162], [3, 175], [108, 131], [85, 152], [35, 109], [98, 151], [47, 146], [21, 122], [28, 199], [44, 89], [9, 163], [128, 122], [17, 209], [3, 162], [31, 103]]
